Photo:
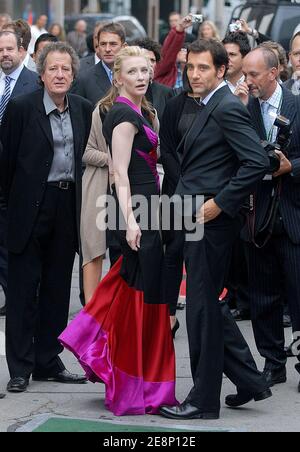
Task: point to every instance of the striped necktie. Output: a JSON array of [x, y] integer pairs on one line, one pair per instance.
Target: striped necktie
[[5, 97]]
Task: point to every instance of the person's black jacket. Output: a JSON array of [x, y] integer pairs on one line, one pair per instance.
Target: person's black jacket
[[92, 84], [26, 160], [220, 156], [27, 82], [290, 192], [159, 95]]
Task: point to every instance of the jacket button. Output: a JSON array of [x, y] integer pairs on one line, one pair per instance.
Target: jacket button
[[38, 204]]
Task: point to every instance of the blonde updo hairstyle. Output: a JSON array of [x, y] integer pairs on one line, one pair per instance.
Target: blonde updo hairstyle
[[127, 52]]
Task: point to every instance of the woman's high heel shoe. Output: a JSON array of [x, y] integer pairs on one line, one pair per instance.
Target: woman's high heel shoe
[[175, 328]]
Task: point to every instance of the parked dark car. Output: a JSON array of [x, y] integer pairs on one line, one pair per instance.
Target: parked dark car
[[279, 20], [134, 30]]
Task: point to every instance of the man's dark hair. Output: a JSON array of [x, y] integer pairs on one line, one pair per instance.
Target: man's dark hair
[[293, 39], [216, 49], [241, 40], [115, 28], [46, 37], [22, 29], [151, 46]]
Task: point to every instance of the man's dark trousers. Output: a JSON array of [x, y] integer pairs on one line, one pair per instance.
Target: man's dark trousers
[[216, 344], [3, 251], [39, 288], [274, 275]]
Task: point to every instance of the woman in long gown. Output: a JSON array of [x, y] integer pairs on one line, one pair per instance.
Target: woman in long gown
[[123, 336]]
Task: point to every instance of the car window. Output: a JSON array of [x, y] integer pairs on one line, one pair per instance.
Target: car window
[[265, 23], [286, 21]]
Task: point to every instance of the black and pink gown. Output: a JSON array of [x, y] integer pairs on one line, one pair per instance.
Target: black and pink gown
[[123, 336]]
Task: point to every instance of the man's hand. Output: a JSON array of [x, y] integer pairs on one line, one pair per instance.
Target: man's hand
[[185, 23], [245, 26], [285, 165], [242, 92], [208, 212]]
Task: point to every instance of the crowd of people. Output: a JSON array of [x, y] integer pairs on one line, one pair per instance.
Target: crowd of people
[[85, 118]]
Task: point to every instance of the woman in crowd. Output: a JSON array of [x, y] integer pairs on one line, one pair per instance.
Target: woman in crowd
[[58, 31], [123, 336], [94, 186], [208, 30]]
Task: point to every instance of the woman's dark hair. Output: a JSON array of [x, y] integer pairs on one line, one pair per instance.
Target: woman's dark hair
[[216, 49], [151, 46]]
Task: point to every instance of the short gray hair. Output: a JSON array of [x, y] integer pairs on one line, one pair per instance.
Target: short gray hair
[[269, 56], [60, 47]]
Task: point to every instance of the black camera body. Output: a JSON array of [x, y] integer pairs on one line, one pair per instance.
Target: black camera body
[[283, 141]]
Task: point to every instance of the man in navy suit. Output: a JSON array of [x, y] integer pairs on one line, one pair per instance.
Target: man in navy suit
[[275, 259], [15, 80], [95, 83]]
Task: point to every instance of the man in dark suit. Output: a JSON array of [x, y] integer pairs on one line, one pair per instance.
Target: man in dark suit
[[275, 258], [222, 160], [92, 59], [294, 83], [95, 83], [44, 135], [15, 80]]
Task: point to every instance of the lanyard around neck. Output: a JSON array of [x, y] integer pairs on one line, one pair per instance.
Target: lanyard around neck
[[271, 132]]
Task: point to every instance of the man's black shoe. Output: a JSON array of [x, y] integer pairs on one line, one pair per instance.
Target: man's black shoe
[[290, 352], [62, 377], [186, 411], [18, 384], [242, 398], [2, 396], [240, 316], [275, 377], [3, 311]]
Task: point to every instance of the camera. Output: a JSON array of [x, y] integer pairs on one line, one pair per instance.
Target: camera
[[197, 18], [283, 141], [235, 27]]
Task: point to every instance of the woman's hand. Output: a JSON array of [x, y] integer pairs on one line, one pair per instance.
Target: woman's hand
[[133, 235]]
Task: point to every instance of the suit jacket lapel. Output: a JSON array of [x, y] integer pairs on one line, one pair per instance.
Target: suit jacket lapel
[[288, 105], [76, 125], [201, 119], [19, 86], [255, 110], [101, 78], [43, 119]]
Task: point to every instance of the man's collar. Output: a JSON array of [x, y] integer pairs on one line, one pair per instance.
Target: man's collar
[[49, 104], [275, 99], [207, 98]]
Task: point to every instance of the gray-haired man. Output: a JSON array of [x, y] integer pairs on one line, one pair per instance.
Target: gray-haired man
[[44, 136]]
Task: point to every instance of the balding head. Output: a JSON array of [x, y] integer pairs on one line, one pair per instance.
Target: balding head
[[81, 26], [261, 69]]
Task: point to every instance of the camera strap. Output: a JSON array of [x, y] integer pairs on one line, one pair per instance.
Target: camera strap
[[263, 236], [270, 137]]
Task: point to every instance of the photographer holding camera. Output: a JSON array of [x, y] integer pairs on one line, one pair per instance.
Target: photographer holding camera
[[273, 233]]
